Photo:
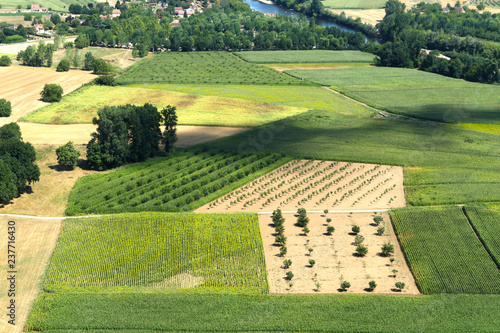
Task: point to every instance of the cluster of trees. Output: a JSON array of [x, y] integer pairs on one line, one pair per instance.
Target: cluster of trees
[[127, 134], [37, 56], [17, 163], [233, 26], [52, 92], [5, 61], [8, 35], [426, 27]]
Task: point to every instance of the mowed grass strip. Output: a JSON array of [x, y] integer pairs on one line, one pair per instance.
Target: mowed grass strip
[[486, 223], [159, 251], [203, 68], [138, 312], [82, 105], [182, 182], [413, 93], [306, 56], [443, 251]]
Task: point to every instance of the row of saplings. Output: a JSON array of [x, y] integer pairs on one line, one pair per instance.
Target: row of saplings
[[361, 250]]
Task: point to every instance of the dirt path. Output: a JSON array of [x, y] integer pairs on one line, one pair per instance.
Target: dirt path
[[335, 257], [80, 133], [34, 243]]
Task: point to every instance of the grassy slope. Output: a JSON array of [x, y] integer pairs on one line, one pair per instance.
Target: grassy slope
[[454, 166], [309, 56], [414, 93], [443, 252], [203, 68], [245, 313], [82, 105], [59, 5], [150, 250]]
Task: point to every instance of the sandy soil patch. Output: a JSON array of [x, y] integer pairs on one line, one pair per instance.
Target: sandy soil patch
[[334, 256], [80, 133], [370, 16], [21, 85], [35, 242], [317, 185]]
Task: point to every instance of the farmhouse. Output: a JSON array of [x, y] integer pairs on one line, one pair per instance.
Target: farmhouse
[[446, 10], [116, 12]]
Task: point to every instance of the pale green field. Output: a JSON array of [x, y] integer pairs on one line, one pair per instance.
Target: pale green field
[[97, 52], [306, 56], [353, 4], [310, 97], [82, 105]]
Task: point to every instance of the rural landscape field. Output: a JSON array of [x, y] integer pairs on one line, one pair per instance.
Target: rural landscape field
[[231, 171]]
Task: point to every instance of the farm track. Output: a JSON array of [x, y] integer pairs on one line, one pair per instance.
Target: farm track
[[260, 213]]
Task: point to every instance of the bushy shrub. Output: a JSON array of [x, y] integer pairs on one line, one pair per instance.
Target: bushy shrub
[[5, 108], [387, 249], [101, 67], [67, 155], [289, 275], [312, 262], [5, 61], [287, 263], [51, 92], [372, 285], [400, 285], [330, 230], [361, 250], [355, 229], [63, 65], [345, 285], [380, 231], [105, 80], [377, 219], [359, 239]]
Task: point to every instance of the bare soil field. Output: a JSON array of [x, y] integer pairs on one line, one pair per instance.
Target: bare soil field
[[34, 243], [80, 133], [317, 185], [22, 86], [335, 257]]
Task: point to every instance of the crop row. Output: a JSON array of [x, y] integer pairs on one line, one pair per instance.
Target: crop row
[[443, 251], [178, 183], [219, 251]]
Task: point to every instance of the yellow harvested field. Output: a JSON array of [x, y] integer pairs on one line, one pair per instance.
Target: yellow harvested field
[[370, 16], [335, 257], [317, 185], [22, 86], [34, 243]]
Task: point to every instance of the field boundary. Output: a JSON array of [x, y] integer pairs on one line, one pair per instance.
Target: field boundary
[[478, 235]]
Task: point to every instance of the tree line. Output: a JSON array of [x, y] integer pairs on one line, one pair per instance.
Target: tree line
[[17, 163], [129, 133], [233, 26]]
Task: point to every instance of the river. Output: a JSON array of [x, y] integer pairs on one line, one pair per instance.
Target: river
[[274, 9]]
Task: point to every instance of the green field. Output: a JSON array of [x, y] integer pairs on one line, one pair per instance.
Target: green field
[[58, 5], [486, 223], [414, 93], [353, 4], [203, 68], [443, 252], [134, 312], [450, 165], [159, 252], [182, 182], [314, 56], [82, 105]]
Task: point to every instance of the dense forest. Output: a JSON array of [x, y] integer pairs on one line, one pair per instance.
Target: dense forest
[[232, 27], [454, 37]]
